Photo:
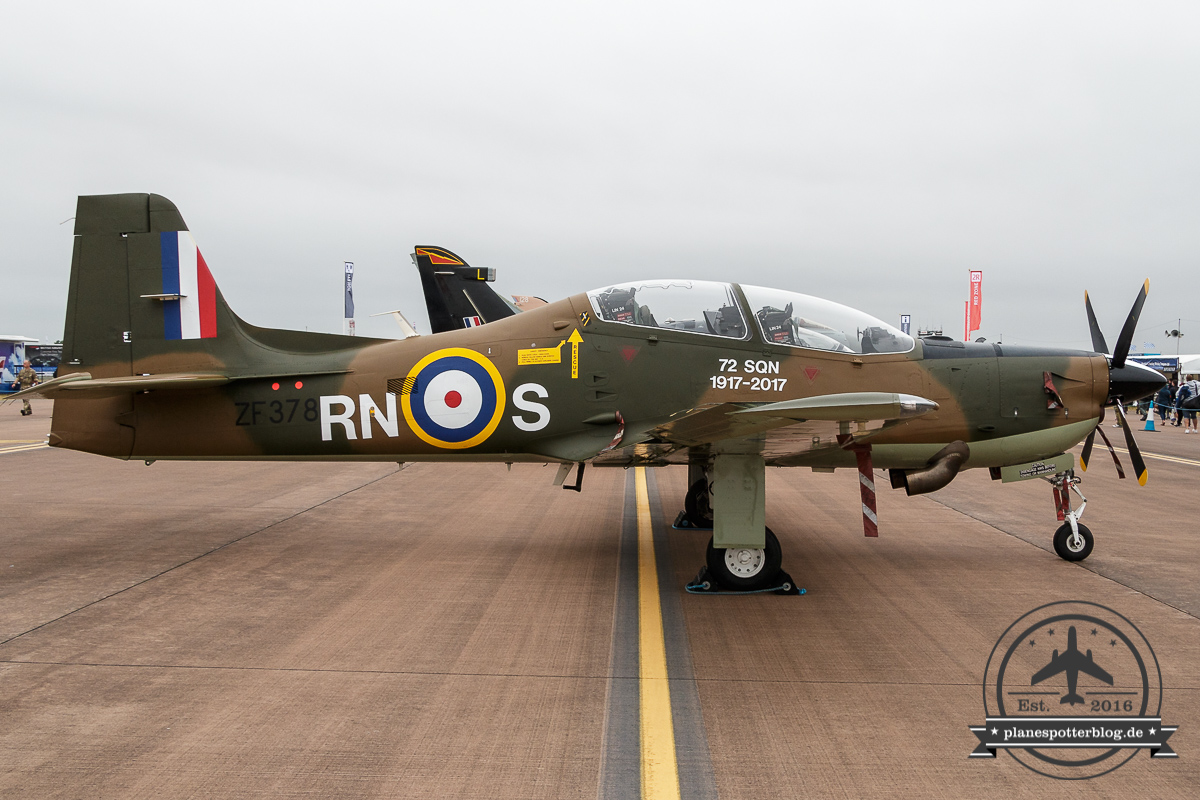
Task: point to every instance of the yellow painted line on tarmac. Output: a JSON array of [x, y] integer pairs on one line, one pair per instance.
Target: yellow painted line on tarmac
[[22, 448], [1174, 459], [660, 772]]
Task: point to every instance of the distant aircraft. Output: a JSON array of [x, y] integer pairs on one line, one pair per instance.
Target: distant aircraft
[[724, 378], [457, 295], [1071, 662]]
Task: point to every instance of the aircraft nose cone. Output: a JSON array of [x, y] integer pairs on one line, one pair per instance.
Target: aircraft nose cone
[[1133, 382]]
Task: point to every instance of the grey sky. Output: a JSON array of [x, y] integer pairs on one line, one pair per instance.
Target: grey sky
[[871, 153]]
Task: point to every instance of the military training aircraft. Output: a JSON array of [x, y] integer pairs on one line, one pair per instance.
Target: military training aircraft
[[1072, 662], [725, 378]]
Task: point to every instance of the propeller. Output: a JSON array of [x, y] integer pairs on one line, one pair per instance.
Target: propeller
[[1126, 382]]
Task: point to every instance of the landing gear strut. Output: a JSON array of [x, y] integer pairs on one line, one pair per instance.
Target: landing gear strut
[[1072, 541], [697, 504]]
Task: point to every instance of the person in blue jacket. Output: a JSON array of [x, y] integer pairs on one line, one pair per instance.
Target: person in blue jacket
[[1162, 401]]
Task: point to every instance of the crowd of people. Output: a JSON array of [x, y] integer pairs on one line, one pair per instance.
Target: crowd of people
[[1177, 404]]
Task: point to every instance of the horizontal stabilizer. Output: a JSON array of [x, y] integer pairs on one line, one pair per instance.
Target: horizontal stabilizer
[[82, 384], [847, 407]]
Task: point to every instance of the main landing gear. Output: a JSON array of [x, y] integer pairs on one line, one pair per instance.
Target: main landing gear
[[1072, 541], [731, 569]]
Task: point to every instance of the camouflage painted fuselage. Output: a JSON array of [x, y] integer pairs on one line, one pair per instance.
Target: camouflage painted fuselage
[[551, 384]]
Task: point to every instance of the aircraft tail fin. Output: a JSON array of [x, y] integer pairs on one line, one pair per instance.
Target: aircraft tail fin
[[143, 301], [1072, 698], [457, 295]]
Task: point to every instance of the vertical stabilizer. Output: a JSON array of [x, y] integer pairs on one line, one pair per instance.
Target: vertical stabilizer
[[141, 297], [457, 295]]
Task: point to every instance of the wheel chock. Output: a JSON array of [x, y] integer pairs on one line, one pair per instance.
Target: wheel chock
[[703, 583], [682, 524]]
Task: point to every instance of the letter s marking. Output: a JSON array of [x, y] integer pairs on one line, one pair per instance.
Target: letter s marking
[[543, 413]]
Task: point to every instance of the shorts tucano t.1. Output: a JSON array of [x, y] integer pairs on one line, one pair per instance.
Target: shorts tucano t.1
[[727, 379]]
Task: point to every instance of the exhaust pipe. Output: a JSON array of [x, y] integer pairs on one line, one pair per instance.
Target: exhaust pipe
[[942, 468]]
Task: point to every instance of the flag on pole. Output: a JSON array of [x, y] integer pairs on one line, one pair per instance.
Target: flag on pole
[[349, 290], [976, 300]]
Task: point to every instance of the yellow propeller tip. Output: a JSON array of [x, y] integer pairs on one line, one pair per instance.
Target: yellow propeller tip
[[1142, 478]]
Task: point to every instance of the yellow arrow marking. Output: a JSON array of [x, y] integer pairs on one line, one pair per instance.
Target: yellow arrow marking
[[575, 339]]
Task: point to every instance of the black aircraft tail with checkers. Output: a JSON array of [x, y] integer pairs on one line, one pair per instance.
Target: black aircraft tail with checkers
[[457, 295]]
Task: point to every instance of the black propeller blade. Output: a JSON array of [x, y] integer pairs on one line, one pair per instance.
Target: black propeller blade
[[1135, 455], [1111, 452], [1126, 337], [1098, 343], [1086, 455]]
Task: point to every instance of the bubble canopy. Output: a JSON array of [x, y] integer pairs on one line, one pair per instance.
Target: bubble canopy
[[712, 308], [802, 320]]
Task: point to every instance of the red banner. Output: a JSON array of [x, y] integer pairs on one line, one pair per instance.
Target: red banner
[[976, 300]]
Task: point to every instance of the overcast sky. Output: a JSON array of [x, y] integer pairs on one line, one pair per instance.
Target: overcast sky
[[868, 152]]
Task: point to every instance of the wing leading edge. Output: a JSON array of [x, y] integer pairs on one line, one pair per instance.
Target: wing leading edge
[[783, 430]]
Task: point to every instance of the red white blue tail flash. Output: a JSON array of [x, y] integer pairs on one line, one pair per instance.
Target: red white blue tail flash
[[184, 273]]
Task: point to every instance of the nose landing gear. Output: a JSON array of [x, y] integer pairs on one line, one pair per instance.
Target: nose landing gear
[[1072, 541]]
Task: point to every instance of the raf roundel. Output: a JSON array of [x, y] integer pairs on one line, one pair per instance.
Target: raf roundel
[[457, 399]]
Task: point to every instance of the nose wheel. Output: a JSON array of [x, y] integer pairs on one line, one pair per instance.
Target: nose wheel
[[1073, 544]]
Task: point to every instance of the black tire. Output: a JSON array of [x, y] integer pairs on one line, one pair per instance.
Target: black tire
[[1073, 550], [745, 570], [697, 505]]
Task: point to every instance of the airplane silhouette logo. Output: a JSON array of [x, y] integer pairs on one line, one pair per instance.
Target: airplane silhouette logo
[[1071, 662]]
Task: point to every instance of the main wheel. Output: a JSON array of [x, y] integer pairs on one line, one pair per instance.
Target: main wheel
[[697, 505], [746, 569], [1070, 546]]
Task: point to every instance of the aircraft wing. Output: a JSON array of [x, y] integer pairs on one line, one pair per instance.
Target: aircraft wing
[[785, 432], [846, 407]]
